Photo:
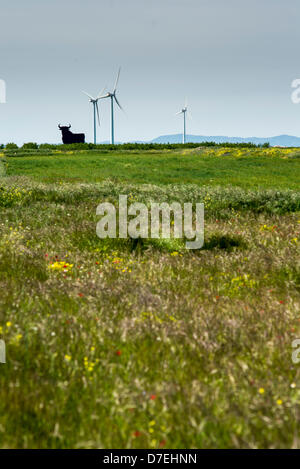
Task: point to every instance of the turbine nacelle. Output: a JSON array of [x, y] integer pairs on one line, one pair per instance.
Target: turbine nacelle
[[185, 113], [107, 95], [94, 101], [112, 94]]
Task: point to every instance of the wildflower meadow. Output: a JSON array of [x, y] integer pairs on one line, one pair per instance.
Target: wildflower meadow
[[141, 343]]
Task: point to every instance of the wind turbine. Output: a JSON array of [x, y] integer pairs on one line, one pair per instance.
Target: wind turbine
[[112, 96], [96, 109], [183, 111]]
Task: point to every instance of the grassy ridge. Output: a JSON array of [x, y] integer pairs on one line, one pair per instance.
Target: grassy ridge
[[117, 344]]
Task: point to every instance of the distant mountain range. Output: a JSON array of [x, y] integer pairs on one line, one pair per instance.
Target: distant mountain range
[[281, 140]]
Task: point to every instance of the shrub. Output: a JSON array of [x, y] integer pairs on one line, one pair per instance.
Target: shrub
[[13, 195], [47, 146], [11, 146], [30, 146], [226, 242]]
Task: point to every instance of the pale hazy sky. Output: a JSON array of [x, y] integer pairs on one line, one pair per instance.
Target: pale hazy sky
[[234, 60]]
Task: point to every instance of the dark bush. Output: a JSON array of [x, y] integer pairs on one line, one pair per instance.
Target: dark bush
[[30, 146], [11, 146], [47, 146], [225, 242]]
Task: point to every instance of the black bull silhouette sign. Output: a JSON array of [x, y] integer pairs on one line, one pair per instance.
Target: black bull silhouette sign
[[69, 137]]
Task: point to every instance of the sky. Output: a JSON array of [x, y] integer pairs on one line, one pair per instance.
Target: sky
[[233, 60]]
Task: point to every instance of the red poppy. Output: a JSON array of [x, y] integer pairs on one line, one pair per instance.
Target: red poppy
[[137, 433], [153, 397], [81, 295], [118, 352], [162, 443]]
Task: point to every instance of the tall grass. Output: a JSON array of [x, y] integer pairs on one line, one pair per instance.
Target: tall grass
[[122, 344]]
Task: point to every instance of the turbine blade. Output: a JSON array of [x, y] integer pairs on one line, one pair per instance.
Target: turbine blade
[[97, 109], [180, 112], [91, 97], [117, 80], [101, 93], [118, 103]]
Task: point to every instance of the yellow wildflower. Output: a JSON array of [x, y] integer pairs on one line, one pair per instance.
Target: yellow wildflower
[[61, 266]]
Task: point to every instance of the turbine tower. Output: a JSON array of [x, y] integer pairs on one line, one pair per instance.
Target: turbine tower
[[112, 96], [94, 101], [183, 111]]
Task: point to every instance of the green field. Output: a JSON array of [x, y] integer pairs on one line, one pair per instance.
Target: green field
[[124, 344], [248, 168]]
